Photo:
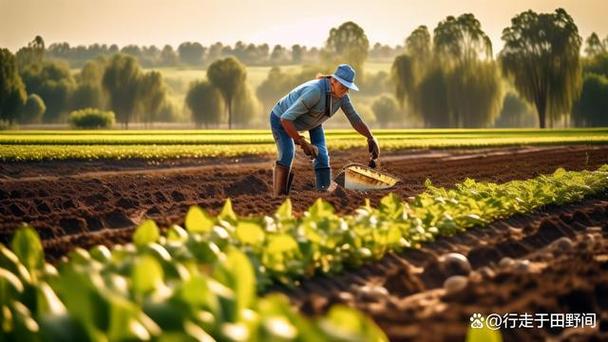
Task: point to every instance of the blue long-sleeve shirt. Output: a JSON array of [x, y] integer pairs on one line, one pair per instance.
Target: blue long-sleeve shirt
[[305, 105]]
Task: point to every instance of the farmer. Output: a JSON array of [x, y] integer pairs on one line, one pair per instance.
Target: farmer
[[306, 108]]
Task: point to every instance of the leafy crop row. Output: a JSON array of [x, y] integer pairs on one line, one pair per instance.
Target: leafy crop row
[[285, 248], [181, 289]]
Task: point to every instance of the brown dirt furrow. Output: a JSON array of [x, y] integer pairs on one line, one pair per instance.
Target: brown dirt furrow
[[554, 261]]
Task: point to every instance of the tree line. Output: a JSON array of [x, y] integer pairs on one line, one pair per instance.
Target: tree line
[[195, 54], [449, 78]]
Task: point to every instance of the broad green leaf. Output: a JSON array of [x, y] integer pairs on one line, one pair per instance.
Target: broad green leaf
[[198, 221], [226, 298], [203, 250], [391, 205], [147, 275], [26, 245], [10, 287], [176, 233], [101, 253], [127, 321], [320, 209], [146, 233], [195, 292], [250, 233], [284, 212], [237, 273], [227, 213], [47, 301], [197, 333], [281, 243]]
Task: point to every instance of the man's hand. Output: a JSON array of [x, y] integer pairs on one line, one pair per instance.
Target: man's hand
[[308, 148], [373, 148]]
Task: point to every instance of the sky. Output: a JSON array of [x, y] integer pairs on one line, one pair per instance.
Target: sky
[[160, 22]]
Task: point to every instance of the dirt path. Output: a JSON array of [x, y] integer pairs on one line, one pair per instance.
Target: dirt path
[[85, 203]]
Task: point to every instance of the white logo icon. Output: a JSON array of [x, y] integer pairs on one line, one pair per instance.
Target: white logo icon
[[476, 321]]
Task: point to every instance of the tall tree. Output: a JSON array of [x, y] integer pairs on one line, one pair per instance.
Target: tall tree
[[205, 103], [228, 75], [347, 44], [594, 45], [54, 83], [418, 43], [89, 92], [32, 54], [453, 84], [542, 54], [405, 78], [12, 90], [215, 52], [152, 93], [591, 109], [168, 57], [461, 39], [473, 82], [121, 81], [278, 55], [246, 107], [297, 51], [191, 53], [409, 68]]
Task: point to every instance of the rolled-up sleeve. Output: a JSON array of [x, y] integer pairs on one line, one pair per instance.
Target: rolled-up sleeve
[[349, 110], [303, 104]]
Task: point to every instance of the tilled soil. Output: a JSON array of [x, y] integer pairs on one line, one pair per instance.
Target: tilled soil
[[555, 261], [89, 202]]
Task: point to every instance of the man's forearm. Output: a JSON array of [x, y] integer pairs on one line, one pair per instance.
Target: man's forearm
[[362, 129], [291, 130]]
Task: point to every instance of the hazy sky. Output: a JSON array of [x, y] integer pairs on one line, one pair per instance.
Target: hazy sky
[[159, 22]]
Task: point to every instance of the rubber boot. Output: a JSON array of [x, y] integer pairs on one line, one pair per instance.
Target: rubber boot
[[323, 178], [281, 180]]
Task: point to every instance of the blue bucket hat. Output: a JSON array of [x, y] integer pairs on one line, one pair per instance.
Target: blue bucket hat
[[345, 74]]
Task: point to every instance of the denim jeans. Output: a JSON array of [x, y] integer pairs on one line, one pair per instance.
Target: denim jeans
[[286, 146]]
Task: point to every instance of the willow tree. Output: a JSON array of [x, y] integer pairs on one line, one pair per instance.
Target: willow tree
[[452, 81], [152, 96], [205, 103], [121, 80], [347, 44], [409, 68], [594, 46], [228, 76], [541, 53], [472, 77], [461, 39]]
